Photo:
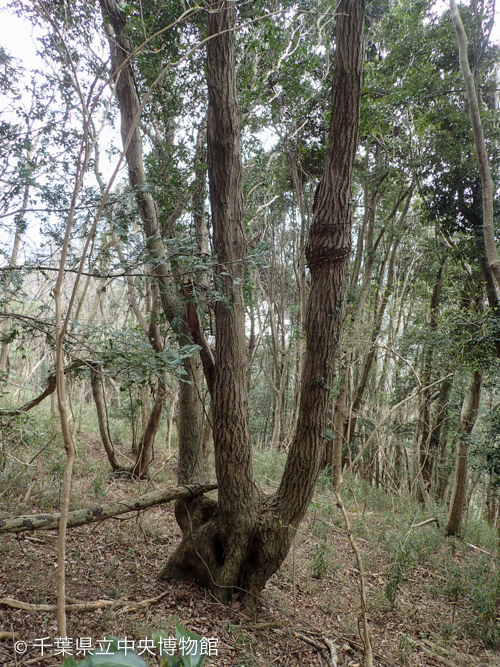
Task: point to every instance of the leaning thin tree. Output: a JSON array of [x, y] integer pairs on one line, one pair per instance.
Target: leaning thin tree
[[237, 543]]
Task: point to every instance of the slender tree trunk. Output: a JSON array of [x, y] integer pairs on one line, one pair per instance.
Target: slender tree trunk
[[189, 425], [302, 283], [20, 227], [152, 423], [441, 470], [206, 436], [479, 145], [145, 449], [102, 420], [377, 325], [339, 422], [428, 454], [178, 305], [467, 421], [334, 448], [440, 417]]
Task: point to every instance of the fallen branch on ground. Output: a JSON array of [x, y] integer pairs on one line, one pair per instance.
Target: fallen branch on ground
[[19, 524], [473, 546], [320, 648], [125, 605], [418, 525]]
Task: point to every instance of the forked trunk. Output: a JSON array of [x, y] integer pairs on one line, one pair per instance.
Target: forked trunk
[[102, 420], [145, 450], [237, 543]]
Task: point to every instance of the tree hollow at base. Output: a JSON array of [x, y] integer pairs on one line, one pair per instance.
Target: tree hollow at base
[[224, 560]]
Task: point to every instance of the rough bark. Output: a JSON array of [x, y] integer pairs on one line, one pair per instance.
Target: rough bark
[[467, 421], [242, 540], [19, 524], [238, 493], [327, 253]]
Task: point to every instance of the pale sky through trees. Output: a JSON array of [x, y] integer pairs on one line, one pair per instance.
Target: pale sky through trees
[[18, 37]]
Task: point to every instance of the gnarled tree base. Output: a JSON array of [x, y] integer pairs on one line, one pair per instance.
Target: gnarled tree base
[[221, 560]]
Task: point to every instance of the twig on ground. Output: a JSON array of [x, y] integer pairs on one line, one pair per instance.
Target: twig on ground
[[123, 605], [320, 648], [473, 546], [333, 651]]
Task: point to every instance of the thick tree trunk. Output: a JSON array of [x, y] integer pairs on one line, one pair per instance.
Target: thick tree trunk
[[243, 539], [467, 421], [221, 545], [238, 500]]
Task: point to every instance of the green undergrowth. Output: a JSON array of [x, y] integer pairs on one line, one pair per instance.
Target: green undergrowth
[[268, 467], [463, 581], [32, 460]]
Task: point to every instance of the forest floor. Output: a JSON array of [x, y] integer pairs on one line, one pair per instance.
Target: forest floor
[[431, 600]]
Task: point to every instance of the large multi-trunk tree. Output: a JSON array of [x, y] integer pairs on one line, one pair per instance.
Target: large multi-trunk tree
[[238, 542]]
